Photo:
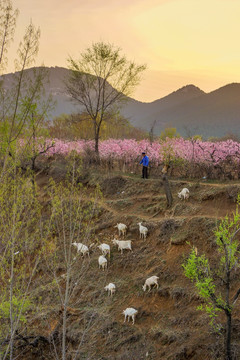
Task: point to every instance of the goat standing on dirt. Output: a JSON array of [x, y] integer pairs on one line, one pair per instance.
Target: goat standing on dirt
[[122, 229], [102, 262], [153, 280], [111, 288], [142, 230], [123, 244], [130, 312], [81, 248], [105, 249], [184, 194]]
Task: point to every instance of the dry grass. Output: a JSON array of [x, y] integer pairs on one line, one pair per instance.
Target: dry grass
[[167, 326]]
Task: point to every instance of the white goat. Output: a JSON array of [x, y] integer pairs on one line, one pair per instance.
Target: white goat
[[111, 288], [184, 194], [105, 249], [102, 262], [122, 229], [153, 280], [130, 312], [142, 230], [81, 248], [123, 244]]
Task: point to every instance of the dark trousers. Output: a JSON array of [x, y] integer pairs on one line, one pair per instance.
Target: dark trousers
[[145, 172]]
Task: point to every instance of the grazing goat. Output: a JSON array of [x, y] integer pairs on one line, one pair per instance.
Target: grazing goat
[[123, 244], [130, 312], [102, 262], [153, 280], [184, 194], [122, 229], [142, 231], [82, 248], [105, 248], [111, 288]]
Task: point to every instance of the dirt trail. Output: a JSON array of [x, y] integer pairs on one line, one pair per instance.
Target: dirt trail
[[193, 182], [206, 201], [154, 217], [135, 210]]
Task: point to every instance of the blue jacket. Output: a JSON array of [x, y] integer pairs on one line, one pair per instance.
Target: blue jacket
[[145, 161]]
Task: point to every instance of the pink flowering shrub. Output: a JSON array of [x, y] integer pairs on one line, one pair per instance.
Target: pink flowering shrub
[[130, 150], [189, 157]]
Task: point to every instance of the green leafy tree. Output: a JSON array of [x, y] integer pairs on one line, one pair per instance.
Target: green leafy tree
[[214, 283], [101, 80], [196, 138], [170, 133], [17, 306], [80, 126]]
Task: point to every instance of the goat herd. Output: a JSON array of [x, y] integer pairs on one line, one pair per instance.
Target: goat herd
[[127, 245]]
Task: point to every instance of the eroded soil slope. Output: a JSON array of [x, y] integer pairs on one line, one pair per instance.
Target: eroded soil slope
[[167, 326]]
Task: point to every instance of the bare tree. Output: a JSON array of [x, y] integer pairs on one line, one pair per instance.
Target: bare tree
[[167, 187], [17, 103], [20, 224], [101, 80], [168, 157], [7, 29], [151, 131], [16, 99], [71, 219]]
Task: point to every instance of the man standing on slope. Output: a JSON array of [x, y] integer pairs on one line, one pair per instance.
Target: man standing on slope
[[145, 162]]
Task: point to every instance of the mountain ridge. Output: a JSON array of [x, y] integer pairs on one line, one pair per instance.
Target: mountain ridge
[[209, 114]]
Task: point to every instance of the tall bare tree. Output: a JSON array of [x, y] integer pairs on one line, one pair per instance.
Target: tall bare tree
[[20, 224], [17, 98], [71, 220], [101, 80], [7, 29], [16, 102]]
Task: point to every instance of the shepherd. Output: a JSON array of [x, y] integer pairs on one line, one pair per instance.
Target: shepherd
[[145, 162]]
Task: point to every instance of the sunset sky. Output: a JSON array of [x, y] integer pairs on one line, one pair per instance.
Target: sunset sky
[[181, 41]]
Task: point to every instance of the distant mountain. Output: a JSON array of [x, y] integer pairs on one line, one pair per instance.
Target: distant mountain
[[214, 114], [144, 114], [189, 109], [54, 85]]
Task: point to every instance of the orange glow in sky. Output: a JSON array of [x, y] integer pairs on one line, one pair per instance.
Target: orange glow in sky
[[181, 41]]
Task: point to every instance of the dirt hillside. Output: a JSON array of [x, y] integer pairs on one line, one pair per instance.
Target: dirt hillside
[[167, 326]]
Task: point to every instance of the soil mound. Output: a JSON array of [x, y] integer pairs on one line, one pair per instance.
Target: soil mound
[[113, 185]]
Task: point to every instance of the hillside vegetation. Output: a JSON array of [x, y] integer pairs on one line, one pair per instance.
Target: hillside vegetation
[[167, 326]]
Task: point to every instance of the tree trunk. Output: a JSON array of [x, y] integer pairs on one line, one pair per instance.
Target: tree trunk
[[97, 133], [151, 136], [167, 190], [11, 312], [228, 336], [33, 166], [96, 144], [65, 305]]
